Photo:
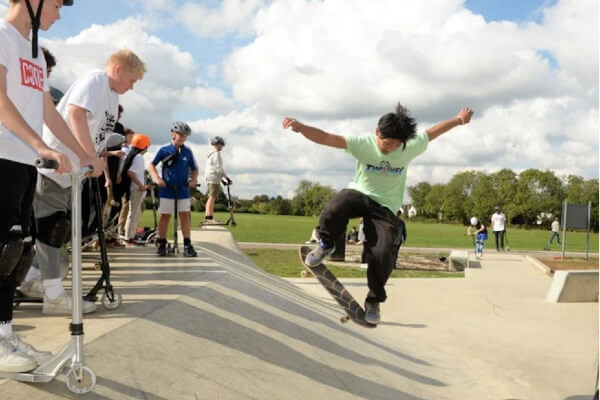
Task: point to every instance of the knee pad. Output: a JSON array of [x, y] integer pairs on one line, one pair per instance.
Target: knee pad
[[10, 254], [24, 263], [54, 230]]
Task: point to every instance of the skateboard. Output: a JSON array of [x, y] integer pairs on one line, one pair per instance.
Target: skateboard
[[353, 310]]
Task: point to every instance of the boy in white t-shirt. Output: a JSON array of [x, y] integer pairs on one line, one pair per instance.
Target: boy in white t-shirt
[[25, 104], [376, 192], [89, 107], [133, 172], [213, 173], [499, 227]]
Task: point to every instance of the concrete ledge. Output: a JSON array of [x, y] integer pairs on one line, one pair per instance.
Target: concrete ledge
[[539, 265], [459, 260], [573, 286]]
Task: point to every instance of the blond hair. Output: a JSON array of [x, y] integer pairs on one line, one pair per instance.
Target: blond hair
[[129, 61]]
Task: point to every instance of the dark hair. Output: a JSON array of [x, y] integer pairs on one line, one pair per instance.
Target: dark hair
[[398, 125], [50, 60], [125, 179], [120, 109]]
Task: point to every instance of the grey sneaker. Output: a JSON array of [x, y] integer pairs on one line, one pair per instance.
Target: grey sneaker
[[63, 304], [14, 360], [32, 288], [39, 356], [372, 314], [316, 256]]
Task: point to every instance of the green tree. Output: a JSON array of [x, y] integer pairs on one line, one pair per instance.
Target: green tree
[[536, 192], [434, 201], [458, 203], [503, 186], [310, 198], [418, 193], [484, 199]]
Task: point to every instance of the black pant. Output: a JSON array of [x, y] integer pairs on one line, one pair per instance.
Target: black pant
[[381, 231], [499, 239], [17, 187]]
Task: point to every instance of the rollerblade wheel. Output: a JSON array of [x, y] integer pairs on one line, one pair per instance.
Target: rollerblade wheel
[[112, 305], [303, 274], [344, 319], [80, 380]]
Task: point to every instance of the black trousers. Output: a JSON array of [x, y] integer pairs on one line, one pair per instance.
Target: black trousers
[[499, 239], [17, 187], [381, 233]]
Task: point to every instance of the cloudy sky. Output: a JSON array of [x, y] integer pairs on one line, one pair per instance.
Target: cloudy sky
[[235, 68]]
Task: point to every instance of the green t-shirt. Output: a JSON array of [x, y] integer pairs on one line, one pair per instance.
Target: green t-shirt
[[382, 176]]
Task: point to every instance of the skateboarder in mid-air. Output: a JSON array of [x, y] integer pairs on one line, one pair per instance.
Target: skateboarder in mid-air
[[376, 192]]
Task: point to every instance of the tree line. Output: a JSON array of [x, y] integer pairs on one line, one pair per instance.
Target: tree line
[[524, 198], [527, 198]]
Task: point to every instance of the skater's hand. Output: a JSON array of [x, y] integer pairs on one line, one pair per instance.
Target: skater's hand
[[292, 123], [117, 153], [107, 183], [143, 188], [161, 183], [465, 115], [193, 183], [118, 179], [64, 164], [96, 163]]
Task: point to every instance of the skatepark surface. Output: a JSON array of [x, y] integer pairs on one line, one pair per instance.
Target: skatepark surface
[[218, 327]]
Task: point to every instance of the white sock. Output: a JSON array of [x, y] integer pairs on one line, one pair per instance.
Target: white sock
[[53, 288], [33, 273], [6, 329]]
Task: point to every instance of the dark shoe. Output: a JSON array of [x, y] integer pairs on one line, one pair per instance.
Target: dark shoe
[[189, 251], [162, 248], [372, 314]]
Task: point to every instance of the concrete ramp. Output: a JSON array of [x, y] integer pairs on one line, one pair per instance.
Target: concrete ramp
[[218, 327]]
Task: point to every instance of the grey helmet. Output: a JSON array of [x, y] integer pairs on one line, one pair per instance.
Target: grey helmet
[[217, 140], [181, 127]]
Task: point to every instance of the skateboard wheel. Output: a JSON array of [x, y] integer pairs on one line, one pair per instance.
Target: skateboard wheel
[[303, 274]]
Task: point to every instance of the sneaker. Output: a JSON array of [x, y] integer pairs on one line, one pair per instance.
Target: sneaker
[[39, 356], [162, 248], [33, 288], [189, 251], [63, 304], [14, 360], [372, 314], [316, 256]]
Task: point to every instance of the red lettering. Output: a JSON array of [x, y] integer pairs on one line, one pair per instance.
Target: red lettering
[[32, 75]]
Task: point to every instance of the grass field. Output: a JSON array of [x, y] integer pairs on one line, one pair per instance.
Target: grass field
[[294, 229], [285, 263]]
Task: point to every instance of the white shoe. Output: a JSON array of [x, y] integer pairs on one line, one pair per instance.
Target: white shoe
[[32, 288], [63, 304], [14, 360], [39, 356]]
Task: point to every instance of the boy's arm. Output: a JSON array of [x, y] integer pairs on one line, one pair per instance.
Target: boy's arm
[[157, 179], [14, 121], [463, 117], [315, 134], [59, 128]]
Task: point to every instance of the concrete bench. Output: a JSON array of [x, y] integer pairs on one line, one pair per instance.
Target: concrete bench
[[459, 260], [573, 286]]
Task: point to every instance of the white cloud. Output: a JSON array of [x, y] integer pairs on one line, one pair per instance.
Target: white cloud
[[231, 17]]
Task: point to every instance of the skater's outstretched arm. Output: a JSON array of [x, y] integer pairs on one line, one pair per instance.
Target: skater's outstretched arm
[[315, 134], [463, 117]]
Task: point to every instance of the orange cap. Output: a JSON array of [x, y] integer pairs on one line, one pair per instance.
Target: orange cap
[[140, 141]]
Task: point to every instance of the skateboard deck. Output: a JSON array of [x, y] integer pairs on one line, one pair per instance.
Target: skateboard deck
[[353, 309]]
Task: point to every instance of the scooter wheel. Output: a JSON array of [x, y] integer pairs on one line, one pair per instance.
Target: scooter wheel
[[112, 305], [303, 274], [344, 319], [80, 380]]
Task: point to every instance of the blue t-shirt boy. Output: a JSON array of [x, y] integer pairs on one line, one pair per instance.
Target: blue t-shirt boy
[[178, 173]]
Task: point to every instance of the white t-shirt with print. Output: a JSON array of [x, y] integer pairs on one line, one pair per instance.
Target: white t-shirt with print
[[137, 167], [213, 171], [498, 221], [92, 92], [25, 86]]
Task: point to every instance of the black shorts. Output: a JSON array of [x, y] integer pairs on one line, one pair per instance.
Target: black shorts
[[17, 187]]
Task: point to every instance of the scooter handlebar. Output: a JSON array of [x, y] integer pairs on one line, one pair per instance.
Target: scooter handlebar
[[45, 163]]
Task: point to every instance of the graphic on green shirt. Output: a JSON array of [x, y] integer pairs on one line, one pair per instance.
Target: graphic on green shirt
[[382, 176]]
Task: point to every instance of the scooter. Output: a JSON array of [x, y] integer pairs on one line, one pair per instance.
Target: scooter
[[174, 249], [80, 379], [230, 209]]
